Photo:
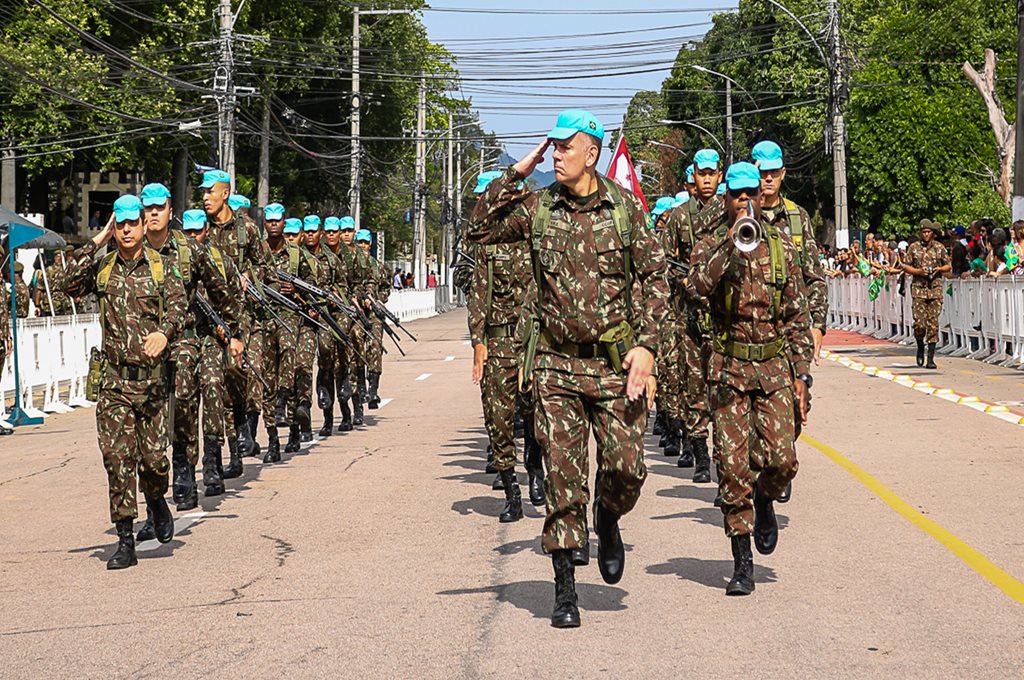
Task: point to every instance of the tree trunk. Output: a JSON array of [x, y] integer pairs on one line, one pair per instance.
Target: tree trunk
[[985, 83]]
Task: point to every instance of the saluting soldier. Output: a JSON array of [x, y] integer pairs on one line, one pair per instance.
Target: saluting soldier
[[758, 368], [595, 344], [927, 260], [142, 309]]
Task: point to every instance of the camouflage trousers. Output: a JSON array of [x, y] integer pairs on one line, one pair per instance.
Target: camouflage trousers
[[254, 348], [305, 356], [498, 389], [694, 386], [278, 365], [187, 355], [575, 397], [374, 351], [327, 353], [756, 444], [131, 426], [212, 391], [356, 366], [926, 318], [670, 371]]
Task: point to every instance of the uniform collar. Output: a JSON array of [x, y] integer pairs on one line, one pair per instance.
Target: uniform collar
[[571, 203]]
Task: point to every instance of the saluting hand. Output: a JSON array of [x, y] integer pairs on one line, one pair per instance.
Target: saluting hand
[[530, 161], [639, 362], [154, 344], [105, 234]]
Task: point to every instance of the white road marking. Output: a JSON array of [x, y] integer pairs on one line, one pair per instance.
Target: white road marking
[[465, 342], [424, 376], [449, 358], [180, 524], [384, 402]]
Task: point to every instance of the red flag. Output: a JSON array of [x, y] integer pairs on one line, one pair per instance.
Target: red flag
[[622, 172]]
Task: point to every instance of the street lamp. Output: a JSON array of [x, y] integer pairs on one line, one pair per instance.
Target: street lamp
[[728, 105], [693, 125]]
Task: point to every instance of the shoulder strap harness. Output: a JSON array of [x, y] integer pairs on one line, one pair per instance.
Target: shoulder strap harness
[[156, 271], [184, 255]]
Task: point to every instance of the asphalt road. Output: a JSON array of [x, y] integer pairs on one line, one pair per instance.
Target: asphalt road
[[378, 554]]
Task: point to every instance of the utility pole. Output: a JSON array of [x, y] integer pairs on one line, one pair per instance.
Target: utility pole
[[1017, 204], [263, 185], [354, 204], [837, 95], [420, 230], [224, 83], [728, 122], [449, 228]]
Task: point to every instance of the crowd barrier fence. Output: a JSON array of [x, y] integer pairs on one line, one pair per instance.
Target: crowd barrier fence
[[981, 318]]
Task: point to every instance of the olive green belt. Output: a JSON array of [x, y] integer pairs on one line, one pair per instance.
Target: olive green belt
[[750, 351], [134, 372], [587, 350], [502, 331]]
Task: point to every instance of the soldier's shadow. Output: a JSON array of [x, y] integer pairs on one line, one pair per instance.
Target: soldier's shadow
[[536, 597], [709, 573]]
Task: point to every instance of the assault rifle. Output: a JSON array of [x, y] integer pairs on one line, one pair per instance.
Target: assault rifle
[[223, 334]]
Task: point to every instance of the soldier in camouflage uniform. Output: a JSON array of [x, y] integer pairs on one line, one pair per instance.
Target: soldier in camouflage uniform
[[927, 260], [21, 294], [495, 302], [357, 264], [378, 287], [6, 336], [592, 254], [143, 309], [334, 278], [61, 301], [759, 363], [238, 240], [199, 272], [343, 352]]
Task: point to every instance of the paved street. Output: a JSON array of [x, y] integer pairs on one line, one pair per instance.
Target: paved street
[[378, 554]]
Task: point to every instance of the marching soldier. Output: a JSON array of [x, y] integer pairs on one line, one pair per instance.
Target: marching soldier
[[345, 354], [142, 309], [591, 253], [669, 421], [6, 337], [378, 287], [758, 367], [927, 260], [21, 294], [357, 265], [196, 267], [497, 296], [301, 264], [333, 278]]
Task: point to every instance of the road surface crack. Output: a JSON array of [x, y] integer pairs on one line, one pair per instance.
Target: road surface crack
[[282, 548], [58, 466]]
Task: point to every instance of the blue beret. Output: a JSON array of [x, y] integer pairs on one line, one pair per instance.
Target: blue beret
[[484, 180], [154, 194], [348, 223], [743, 175], [211, 177], [237, 201], [706, 159], [767, 155], [332, 223], [273, 211], [193, 220], [292, 225], [663, 204], [364, 235], [310, 223], [127, 207], [572, 121]]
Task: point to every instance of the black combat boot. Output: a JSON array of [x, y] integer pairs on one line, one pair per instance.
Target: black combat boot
[[566, 613], [124, 557], [253, 418], [325, 390], [281, 408], [498, 484], [163, 521], [234, 468], [212, 479], [244, 438], [372, 397], [357, 408], [346, 418], [304, 417], [147, 532], [179, 463], [931, 356], [273, 454], [491, 468], [534, 467], [190, 500], [344, 391], [611, 554], [513, 511], [742, 581], [766, 526], [702, 460], [920, 352], [786, 494], [328, 427], [659, 424], [673, 433], [294, 442]]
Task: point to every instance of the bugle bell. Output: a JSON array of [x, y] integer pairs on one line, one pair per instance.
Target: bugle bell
[[746, 234]]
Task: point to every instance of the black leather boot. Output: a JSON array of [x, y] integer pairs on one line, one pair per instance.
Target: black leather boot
[[536, 481], [766, 526], [742, 581], [163, 520], [212, 479], [659, 424], [581, 556], [281, 408], [372, 397], [702, 461], [513, 511], [566, 613], [344, 392], [498, 484], [147, 532], [273, 454], [234, 468], [920, 352], [179, 463], [304, 417], [294, 444], [328, 427], [190, 500], [253, 419], [931, 356], [786, 494], [245, 438], [611, 554], [491, 468], [325, 389], [124, 556], [357, 408], [672, 437]]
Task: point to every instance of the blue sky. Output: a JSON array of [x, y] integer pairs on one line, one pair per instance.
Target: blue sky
[[537, 49]]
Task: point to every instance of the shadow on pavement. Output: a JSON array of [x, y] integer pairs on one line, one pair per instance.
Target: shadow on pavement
[[710, 573], [694, 492], [537, 597]]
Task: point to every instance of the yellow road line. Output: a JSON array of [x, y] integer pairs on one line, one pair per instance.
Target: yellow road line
[[971, 557]]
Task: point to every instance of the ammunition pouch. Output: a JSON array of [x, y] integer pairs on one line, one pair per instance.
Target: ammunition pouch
[[530, 353], [94, 381], [617, 342]]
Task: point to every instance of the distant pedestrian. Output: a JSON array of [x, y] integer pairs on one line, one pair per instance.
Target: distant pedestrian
[[408, 280], [396, 281], [94, 221], [431, 279]]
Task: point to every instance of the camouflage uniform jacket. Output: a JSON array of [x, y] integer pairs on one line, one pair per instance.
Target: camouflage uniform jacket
[[357, 264], [816, 288], [250, 259], [5, 314], [282, 260], [921, 256], [382, 289], [133, 303], [233, 285], [717, 265], [21, 296], [331, 270], [581, 258], [61, 300], [203, 270], [678, 239], [509, 265]]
